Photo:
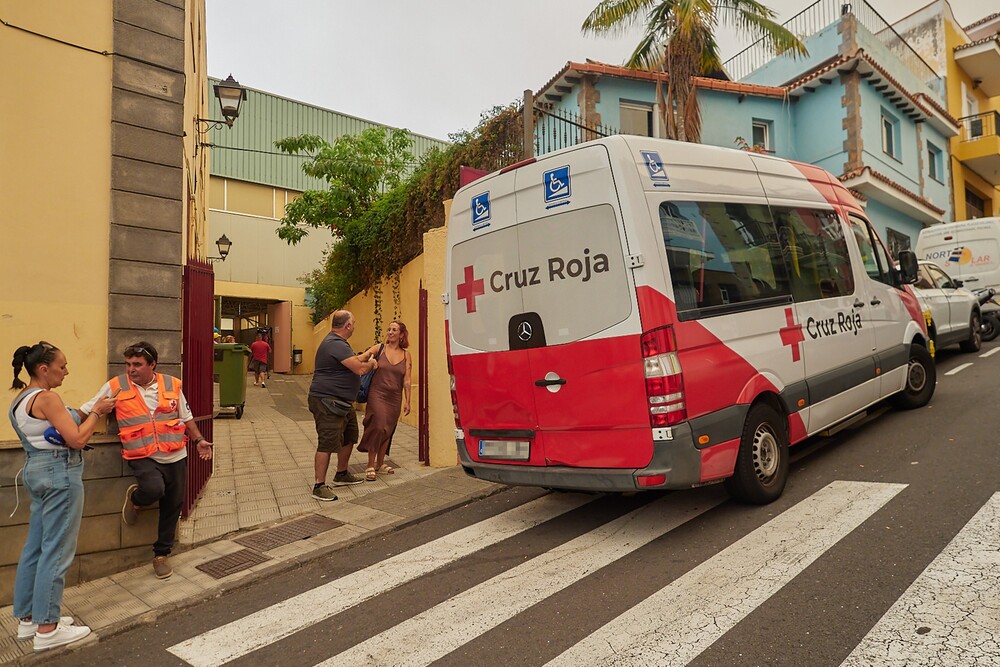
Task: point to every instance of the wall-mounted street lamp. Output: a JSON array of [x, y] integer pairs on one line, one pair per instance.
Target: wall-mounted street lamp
[[231, 96], [224, 244]]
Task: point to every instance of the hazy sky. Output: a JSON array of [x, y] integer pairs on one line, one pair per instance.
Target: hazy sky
[[430, 66]]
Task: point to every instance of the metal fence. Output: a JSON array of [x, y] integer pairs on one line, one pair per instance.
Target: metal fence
[[556, 128], [198, 358], [980, 125], [819, 15]]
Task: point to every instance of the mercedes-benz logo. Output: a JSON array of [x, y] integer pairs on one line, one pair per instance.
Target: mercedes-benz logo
[[524, 331]]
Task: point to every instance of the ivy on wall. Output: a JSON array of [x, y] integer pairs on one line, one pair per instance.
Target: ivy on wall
[[374, 240]]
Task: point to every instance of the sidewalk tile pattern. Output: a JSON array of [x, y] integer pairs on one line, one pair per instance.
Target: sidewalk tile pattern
[[263, 475]]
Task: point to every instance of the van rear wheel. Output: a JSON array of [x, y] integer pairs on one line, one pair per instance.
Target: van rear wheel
[[762, 462], [975, 340], [921, 376]]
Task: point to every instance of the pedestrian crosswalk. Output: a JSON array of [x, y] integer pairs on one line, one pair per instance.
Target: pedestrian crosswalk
[[949, 616]]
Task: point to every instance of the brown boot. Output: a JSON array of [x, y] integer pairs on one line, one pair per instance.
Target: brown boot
[[161, 566], [130, 511]]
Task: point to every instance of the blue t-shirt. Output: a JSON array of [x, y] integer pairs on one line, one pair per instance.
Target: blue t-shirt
[[333, 378]]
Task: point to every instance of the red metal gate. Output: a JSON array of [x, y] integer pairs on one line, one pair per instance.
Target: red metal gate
[[423, 431], [197, 359]]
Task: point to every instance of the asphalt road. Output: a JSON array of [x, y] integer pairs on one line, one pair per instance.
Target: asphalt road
[[691, 577]]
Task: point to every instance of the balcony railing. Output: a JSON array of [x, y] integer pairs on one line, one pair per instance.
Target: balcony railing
[[980, 125], [819, 15]]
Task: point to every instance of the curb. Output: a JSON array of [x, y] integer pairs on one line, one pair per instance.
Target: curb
[[278, 567]]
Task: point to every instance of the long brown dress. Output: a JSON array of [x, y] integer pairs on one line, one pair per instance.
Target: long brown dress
[[385, 398]]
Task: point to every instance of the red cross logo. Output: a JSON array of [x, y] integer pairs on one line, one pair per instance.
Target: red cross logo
[[792, 334], [470, 289]]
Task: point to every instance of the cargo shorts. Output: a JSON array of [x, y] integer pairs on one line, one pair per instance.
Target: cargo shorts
[[332, 431]]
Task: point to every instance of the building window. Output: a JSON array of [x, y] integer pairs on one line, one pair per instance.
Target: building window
[[934, 163], [636, 118], [761, 134], [975, 207], [897, 241], [890, 134]]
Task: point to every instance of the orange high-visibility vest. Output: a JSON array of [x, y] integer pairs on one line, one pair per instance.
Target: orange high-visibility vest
[[142, 433]]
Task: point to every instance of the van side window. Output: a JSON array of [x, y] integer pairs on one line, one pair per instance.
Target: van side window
[[874, 256], [815, 250], [721, 254]]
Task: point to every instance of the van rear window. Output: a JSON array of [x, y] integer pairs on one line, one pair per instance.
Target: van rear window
[[566, 271]]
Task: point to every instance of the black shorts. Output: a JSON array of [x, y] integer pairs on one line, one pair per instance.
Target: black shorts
[[332, 431], [258, 366]]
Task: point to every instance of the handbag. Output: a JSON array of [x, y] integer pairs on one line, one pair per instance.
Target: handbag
[[366, 379], [335, 406]]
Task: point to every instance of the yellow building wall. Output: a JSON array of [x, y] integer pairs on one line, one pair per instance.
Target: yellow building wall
[[961, 176], [250, 198], [55, 184], [196, 157], [426, 270]]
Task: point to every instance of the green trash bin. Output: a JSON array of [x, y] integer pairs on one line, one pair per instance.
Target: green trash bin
[[230, 367]]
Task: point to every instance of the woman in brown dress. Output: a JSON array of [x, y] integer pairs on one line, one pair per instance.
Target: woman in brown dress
[[390, 387]]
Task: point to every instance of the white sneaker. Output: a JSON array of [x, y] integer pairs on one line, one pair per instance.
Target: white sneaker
[[27, 629], [62, 635]]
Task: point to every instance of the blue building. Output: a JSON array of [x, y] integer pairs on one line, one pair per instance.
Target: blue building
[[862, 104]]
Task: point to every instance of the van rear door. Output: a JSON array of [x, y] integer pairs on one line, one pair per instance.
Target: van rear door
[[584, 350]]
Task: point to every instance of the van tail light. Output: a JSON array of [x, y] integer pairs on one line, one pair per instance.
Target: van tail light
[[664, 383], [454, 396]]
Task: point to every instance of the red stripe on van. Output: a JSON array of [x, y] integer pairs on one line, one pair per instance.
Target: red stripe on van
[[715, 377]]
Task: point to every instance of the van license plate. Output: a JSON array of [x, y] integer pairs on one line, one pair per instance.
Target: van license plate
[[514, 450]]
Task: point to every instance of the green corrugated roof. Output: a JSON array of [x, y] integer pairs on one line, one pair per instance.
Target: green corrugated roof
[[246, 150]]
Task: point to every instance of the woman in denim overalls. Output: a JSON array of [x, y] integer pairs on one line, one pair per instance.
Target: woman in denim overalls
[[53, 439]]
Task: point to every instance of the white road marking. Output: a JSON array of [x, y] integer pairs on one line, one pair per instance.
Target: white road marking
[[950, 615], [990, 353], [428, 636], [678, 622], [958, 369], [235, 639]]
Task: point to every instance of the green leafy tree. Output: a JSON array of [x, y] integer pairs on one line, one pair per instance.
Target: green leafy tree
[[679, 38], [358, 169]]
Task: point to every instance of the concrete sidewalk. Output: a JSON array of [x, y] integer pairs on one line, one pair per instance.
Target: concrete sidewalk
[[259, 494]]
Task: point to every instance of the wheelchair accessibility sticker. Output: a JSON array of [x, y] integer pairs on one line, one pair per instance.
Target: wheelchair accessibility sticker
[[481, 211], [654, 165], [556, 184]]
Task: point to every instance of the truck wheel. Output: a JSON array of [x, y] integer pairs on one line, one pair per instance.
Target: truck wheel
[[975, 340], [921, 376], [762, 462]]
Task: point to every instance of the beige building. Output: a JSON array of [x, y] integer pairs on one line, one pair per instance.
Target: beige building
[[103, 183]]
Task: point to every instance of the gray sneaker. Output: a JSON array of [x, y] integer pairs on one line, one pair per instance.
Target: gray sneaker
[[324, 492], [345, 478]]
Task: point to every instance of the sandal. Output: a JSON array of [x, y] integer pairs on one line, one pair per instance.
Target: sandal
[[386, 470], [370, 475]]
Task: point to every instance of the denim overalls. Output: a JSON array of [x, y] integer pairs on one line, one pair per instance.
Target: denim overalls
[[54, 481]]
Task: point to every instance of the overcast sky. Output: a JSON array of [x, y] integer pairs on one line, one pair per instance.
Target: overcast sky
[[430, 66]]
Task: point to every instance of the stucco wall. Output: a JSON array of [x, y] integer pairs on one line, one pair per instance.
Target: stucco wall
[[55, 180], [783, 69], [724, 117], [883, 217], [428, 269]]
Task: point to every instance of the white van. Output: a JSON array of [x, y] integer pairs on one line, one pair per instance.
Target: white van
[[635, 313], [967, 250]]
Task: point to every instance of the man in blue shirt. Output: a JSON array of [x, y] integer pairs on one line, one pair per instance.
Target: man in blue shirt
[[331, 400]]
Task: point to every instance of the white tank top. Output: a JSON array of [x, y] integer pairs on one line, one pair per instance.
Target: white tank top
[[33, 428]]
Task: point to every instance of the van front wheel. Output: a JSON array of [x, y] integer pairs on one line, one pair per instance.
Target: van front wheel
[[762, 462], [975, 340], [921, 376]]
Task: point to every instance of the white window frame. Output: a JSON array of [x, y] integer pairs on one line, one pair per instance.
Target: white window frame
[[890, 135], [935, 162], [766, 127]]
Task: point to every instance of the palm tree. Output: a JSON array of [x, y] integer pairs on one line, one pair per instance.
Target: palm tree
[[679, 39]]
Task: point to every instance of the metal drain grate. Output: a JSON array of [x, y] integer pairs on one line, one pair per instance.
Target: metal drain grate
[[229, 564], [292, 531]]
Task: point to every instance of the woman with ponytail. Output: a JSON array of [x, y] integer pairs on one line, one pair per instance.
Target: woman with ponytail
[[53, 439]]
